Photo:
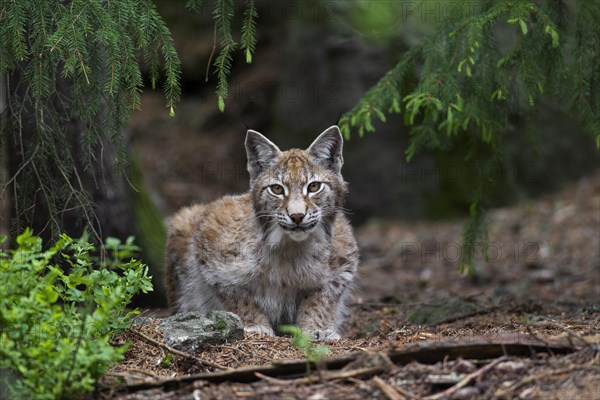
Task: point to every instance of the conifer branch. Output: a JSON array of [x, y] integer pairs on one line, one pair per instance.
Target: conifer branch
[[459, 85], [223, 14], [249, 31], [75, 61]]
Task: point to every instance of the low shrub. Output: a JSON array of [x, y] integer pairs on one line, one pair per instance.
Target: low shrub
[[58, 310]]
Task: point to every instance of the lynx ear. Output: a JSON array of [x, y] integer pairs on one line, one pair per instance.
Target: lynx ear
[[261, 153], [327, 149]]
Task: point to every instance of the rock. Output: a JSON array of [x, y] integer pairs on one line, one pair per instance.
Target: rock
[[443, 379], [464, 366], [191, 332], [529, 393], [426, 275], [543, 275], [469, 392], [512, 366]]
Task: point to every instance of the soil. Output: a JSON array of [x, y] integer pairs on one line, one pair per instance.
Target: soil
[[541, 278]]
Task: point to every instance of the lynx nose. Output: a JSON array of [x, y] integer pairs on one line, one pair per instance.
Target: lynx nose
[[297, 218]]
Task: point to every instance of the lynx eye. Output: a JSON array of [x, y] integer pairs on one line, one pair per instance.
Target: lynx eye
[[276, 189], [314, 187]]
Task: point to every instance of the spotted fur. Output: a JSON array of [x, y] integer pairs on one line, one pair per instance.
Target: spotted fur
[[283, 253]]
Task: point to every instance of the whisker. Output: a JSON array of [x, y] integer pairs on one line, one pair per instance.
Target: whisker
[[333, 209], [265, 214]]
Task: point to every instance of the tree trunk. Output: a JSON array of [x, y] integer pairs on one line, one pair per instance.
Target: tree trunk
[[107, 192], [109, 195], [4, 173]]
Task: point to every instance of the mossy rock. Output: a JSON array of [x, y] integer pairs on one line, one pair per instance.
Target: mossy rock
[[192, 332]]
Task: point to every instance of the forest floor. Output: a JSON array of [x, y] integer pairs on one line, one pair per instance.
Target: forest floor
[[541, 283]]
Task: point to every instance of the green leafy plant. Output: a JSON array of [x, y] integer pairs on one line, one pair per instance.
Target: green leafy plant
[[300, 340], [167, 360], [58, 309]]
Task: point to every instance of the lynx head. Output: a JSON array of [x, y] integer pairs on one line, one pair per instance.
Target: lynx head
[[296, 193]]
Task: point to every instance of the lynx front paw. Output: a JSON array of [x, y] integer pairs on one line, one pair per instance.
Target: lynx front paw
[[260, 329], [327, 334]]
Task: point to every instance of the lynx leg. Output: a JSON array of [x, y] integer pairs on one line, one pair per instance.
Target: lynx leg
[[254, 319], [316, 315], [321, 311]]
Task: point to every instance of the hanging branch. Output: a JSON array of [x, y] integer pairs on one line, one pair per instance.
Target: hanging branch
[[75, 62], [223, 14], [458, 85]]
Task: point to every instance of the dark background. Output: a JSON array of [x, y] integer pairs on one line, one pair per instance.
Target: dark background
[[314, 60]]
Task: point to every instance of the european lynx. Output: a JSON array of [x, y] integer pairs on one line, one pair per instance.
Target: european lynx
[[283, 253]]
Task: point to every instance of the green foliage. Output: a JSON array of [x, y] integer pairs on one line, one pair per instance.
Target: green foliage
[[194, 5], [302, 341], [167, 360], [75, 63], [58, 310], [223, 14], [249, 30], [98, 44], [461, 84]]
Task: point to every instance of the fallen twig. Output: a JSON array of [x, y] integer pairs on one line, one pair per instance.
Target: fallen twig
[[387, 389], [569, 332], [175, 351], [270, 379], [429, 352], [407, 393], [465, 381], [528, 379], [142, 371], [326, 376], [479, 348]]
